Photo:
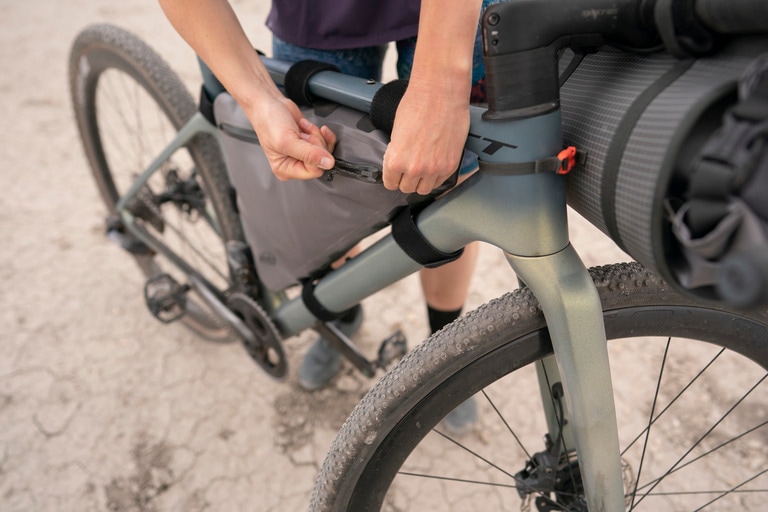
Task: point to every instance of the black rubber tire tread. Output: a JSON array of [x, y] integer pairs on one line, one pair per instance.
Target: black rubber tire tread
[[114, 47], [499, 322]]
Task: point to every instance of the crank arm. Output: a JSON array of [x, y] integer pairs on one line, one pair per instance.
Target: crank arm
[[344, 345], [223, 311]]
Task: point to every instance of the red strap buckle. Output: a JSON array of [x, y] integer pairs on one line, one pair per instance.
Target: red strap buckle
[[567, 159]]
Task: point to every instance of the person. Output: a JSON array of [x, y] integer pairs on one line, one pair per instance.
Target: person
[[438, 52]]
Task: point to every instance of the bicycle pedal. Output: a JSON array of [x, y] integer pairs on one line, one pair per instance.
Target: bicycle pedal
[[392, 349], [165, 298], [117, 233]]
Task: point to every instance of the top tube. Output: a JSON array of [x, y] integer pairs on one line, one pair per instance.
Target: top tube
[[511, 140]]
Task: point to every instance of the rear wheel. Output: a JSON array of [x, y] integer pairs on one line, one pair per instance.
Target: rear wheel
[[129, 105], [689, 384]]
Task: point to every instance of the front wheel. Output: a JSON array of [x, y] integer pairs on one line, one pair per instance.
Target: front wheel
[[689, 385]]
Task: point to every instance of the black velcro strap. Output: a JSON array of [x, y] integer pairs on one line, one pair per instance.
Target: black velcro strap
[[385, 102], [680, 30], [297, 78], [407, 235], [206, 106], [313, 305]]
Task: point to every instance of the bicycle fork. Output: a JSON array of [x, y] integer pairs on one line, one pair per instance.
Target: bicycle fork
[[572, 308], [536, 225], [574, 319], [526, 217]]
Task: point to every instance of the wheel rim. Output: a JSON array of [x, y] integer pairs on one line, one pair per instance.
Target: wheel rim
[[693, 459]]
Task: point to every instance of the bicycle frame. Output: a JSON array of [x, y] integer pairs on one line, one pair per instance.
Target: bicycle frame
[[525, 216]]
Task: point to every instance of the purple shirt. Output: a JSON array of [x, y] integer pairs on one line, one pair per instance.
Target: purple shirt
[[343, 24]]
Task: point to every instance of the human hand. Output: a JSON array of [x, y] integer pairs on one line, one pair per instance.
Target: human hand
[[427, 140], [294, 147]]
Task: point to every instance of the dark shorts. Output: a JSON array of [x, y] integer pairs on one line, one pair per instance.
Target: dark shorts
[[367, 62]]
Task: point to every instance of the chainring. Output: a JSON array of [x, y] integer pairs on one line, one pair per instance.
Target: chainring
[[266, 348]]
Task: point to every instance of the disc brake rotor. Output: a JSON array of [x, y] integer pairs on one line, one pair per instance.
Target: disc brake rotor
[[265, 348]]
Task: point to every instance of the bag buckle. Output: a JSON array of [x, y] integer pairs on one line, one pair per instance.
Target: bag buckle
[[567, 158]]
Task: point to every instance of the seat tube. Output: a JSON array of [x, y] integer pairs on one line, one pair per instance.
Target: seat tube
[[574, 318]]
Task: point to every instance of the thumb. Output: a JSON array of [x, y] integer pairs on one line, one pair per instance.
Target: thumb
[[312, 155]]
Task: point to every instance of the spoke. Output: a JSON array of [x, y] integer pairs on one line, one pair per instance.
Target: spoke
[[109, 120], [473, 453], [506, 424], [674, 400], [451, 479], [716, 448], [745, 482], [140, 129], [121, 81], [203, 257], [699, 493], [709, 431], [650, 422]]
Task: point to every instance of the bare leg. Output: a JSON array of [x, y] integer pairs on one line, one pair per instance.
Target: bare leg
[[446, 289]]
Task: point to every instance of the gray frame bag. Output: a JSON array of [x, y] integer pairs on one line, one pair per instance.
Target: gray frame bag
[[297, 228]]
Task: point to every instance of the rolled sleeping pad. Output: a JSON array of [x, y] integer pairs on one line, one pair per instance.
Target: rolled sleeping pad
[[641, 119]]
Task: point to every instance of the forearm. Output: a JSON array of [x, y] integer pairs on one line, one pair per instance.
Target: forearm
[[443, 57], [294, 147], [432, 120], [212, 30]]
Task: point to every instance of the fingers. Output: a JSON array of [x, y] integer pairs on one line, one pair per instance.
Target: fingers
[[409, 185], [410, 174], [322, 136], [294, 147], [300, 159], [301, 153], [330, 138], [292, 169]]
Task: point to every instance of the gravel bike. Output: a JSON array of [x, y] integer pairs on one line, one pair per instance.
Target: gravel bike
[[670, 414]]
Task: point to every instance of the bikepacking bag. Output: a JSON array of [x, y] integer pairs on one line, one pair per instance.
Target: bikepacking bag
[[677, 165], [297, 228]]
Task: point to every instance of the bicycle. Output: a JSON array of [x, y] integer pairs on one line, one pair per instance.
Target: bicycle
[[393, 439]]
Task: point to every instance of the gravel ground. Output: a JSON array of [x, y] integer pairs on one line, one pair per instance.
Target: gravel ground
[[101, 406]]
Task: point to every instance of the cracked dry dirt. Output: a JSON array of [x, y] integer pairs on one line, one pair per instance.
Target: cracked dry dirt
[[102, 408]]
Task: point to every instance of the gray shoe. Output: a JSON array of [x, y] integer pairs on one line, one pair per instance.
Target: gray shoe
[[322, 362], [462, 420]]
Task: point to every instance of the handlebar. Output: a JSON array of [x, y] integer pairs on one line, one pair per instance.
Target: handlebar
[[522, 39], [733, 16]]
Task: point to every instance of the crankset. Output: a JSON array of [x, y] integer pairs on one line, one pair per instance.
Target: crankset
[[264, 345]]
